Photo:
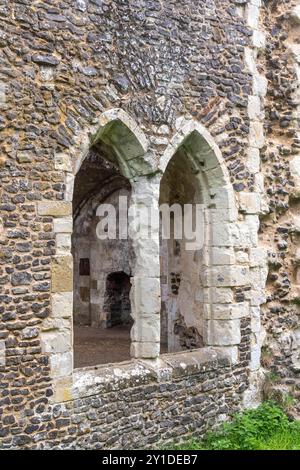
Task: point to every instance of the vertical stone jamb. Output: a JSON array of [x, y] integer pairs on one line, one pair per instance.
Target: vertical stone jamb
[[145, 291], [253, 204]]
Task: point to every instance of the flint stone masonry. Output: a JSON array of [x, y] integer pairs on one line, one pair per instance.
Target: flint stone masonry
[[144, 89]]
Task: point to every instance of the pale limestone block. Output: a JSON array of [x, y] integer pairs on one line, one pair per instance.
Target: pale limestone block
[[221, 215], [295, 48], [295, 167], [221, 256], [254, 107], [253, 395], [62, 387], [62, 162], [256, 297], [296, 223], [258, 277], [297, 256], [2, 94], [222, 332], [70, 179], [260, 85], [253, 160], [56, 323], [259, 39], [147, 259], [61, 364], [228, 276], [249, 202], [145, 350], [223, 197], [225, 235], [54, 208], [2, 353], [248, 230], [256, 134], [46, 73], [256, 2], [242, 257], [258, 257], [163, 129], [250, 61], [218, 295], [255, 325], [63, 243], [259, 180], [146, 329], [226, 311], [63, 225], [295, 172], [62, 273], [145, 296], [56, 341], [159, 141], [295, 14], [199, 295], [253, 15], [255, 357]]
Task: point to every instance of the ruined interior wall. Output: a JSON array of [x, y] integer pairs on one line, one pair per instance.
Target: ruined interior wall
[[106, 257], [280, 227], [180, 268]]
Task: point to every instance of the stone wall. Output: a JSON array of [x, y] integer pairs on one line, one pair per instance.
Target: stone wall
[[281, 166], [134, 406], [199, 79]]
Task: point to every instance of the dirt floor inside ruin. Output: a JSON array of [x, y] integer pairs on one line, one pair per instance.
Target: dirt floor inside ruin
[[94, 346]]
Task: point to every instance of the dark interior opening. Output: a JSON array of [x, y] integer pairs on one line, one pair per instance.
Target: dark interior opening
[[117, 301]]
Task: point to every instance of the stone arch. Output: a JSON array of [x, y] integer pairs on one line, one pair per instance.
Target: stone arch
[[116, 129], [220, 272]]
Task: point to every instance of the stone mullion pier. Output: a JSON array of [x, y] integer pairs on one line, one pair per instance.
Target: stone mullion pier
[[145, 290]]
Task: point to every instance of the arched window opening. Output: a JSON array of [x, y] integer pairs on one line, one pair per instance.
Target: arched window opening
[[102, 267], [181, 313]]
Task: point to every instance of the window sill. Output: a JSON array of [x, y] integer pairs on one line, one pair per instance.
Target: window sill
[[137, 372]]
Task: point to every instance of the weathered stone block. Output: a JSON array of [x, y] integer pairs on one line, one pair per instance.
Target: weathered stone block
[[63, 162], [54, 208], [146, 329], [2, 353], [254, 108], [61, 364], [218, 295], [222, 332], [226, 311], [145, 296], [62, 304], [56, 341], [63, 225], [63, 243], [256, 134], [228, 276], [145, 350], [249, 203], [62, 274]]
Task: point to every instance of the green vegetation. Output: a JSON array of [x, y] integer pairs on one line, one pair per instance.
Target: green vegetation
[[265, 428]]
